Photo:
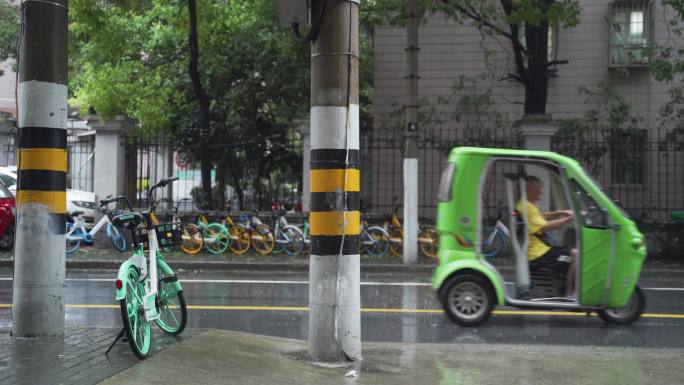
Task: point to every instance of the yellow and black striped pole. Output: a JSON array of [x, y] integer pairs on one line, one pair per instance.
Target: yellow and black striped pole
[[334, 270], [39, 267]]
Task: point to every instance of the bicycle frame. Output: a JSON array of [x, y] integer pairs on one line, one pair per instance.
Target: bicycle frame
[[203, 224], [499, 226], [79, 223], [148, 275]]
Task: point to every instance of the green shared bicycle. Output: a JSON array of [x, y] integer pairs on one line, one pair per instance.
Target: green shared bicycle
[[147, 289]]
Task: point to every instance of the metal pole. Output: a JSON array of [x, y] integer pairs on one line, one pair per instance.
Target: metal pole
[[39, 267], [411, 151], [334, 270]]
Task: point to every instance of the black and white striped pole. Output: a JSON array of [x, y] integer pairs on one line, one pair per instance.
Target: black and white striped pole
[[334, 272], [410, 241], [39, 256]]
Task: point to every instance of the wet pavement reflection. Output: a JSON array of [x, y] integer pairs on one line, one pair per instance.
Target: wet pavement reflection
[[382, 317]]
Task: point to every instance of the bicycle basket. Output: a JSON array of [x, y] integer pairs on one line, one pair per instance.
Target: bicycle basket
[[168, 234]]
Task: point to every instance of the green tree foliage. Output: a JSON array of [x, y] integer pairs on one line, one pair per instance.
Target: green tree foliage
[[667, 65], [9, 30], [605, 128], [131, 57], [525, 24]]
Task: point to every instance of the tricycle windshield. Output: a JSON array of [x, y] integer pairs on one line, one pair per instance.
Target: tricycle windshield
[[600, 187], [445, 183]]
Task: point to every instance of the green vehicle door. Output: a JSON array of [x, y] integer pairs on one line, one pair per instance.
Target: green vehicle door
[[612, 249]]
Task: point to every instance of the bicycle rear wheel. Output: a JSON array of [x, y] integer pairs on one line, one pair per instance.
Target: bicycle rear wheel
[[136, 326], [263, 240], [240, 240], [193, 242], [428, 242]]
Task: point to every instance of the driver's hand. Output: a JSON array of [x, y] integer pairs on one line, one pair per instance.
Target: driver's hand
[[567, 213]]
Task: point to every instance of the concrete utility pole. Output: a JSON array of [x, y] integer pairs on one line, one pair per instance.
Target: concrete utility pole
[[334, 272], [411, 149], [39, 267]]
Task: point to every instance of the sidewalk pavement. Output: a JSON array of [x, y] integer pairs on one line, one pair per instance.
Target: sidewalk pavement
[[101, 257], [226, 357], [76, 358]]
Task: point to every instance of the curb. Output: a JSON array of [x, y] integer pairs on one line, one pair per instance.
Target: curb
[[240, 266], [285, 266]]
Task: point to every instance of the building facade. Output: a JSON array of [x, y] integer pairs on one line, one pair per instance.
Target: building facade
[[466, 100]]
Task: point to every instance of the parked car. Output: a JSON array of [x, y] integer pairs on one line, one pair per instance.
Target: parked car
[[77, 200], [7, 215]]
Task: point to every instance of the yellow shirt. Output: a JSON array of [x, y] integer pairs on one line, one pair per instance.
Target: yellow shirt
[[536, 247]]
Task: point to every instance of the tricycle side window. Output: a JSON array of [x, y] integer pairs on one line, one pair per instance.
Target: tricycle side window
[[446, 182], [592, 214]]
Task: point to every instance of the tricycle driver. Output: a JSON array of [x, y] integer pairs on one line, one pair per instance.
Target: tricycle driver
[[540, 251]]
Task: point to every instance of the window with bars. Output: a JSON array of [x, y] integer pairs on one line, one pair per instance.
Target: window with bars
[[631, 33], [628, 157]]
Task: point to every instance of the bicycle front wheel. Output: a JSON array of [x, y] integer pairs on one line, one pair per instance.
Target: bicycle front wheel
[[173, 312], [136, 326], [72, 244], [193, 242], [377, 242], [117, 239], [216, 238], [492, 242], [263, 240], [396, 244], [295, 240]]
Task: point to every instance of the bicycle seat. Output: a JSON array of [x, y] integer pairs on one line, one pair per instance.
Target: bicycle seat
[[129, 220], [74, 214]]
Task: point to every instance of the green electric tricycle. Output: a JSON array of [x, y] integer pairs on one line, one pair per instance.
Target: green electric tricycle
[[608, 249]]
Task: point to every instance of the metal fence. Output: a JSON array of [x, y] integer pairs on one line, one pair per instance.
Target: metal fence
[[150, 159], [81, 155], [382, 164], [640, 169], [81, 162]]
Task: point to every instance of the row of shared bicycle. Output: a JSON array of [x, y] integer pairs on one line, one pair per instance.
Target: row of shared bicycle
[[249, 232]]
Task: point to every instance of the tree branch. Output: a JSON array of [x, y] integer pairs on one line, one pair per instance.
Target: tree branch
[[513, 77], [473, 15], [556, 62]]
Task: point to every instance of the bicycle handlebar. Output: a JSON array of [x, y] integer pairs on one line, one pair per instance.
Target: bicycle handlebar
[[107, 201], [161, 183]]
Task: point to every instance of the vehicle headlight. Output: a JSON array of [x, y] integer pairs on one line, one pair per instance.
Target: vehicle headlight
[[84, 204]]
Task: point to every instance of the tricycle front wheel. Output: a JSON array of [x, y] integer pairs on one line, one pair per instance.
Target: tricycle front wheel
[[627, 314], [467, 299]]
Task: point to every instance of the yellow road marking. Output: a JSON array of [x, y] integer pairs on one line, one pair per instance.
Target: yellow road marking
[[331, 223], [365, 310], [330, 180], [54, 159]]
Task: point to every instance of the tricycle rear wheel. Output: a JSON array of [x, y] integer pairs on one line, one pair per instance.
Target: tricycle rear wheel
[[468, 300], [627, 314]]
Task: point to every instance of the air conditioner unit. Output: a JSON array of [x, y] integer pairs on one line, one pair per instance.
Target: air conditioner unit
[[293, 11]]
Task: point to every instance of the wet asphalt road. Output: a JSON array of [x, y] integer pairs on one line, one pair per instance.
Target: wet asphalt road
[[395, 309]]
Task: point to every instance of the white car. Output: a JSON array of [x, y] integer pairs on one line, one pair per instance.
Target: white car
[[77, 200]]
